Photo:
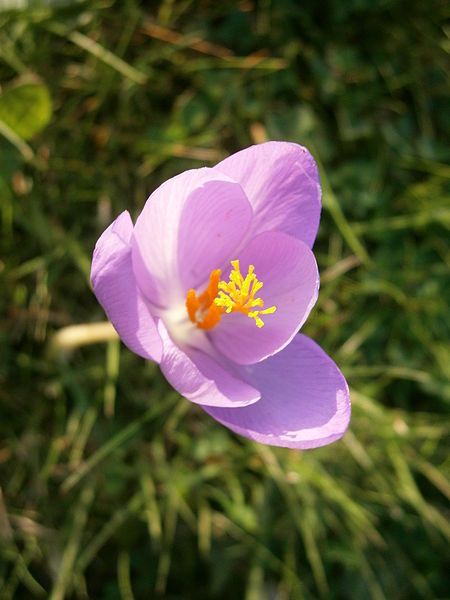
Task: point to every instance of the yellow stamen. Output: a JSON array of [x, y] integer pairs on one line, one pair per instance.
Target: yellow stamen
[[238, 295]]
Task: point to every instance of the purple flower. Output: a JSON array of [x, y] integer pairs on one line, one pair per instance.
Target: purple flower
[[214, 281]]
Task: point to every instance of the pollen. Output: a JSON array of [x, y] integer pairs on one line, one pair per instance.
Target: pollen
[[239, 294]]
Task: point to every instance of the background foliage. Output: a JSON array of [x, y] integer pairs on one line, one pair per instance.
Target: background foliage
[[112, 486]]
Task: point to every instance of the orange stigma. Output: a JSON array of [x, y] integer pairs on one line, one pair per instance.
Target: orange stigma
[[221, 297], [201, 309]]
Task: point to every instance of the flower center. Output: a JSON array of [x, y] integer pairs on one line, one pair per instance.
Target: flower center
[[236, 295]]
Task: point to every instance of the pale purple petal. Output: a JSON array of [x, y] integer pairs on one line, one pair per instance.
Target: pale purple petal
[[116, 289], [200, 379], [288, 270], [304, 399], [282, 184], [189, 226]]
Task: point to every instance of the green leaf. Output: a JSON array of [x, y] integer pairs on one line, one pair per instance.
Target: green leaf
[[26, 109]]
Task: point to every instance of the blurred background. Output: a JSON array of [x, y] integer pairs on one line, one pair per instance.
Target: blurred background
[[114, 487]]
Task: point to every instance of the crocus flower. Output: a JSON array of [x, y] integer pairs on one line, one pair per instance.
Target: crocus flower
[[214, 281]]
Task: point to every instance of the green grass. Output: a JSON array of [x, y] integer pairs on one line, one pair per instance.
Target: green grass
[[112, 486]]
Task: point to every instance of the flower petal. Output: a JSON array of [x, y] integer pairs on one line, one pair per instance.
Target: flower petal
[[200, 379], [282, 184], [288, 270], [189, 226], [305, 400], [116, 289]]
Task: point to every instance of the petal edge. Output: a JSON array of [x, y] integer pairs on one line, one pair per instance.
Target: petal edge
[[282, 183], [319, 416], [202, 380], [116, 289]]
